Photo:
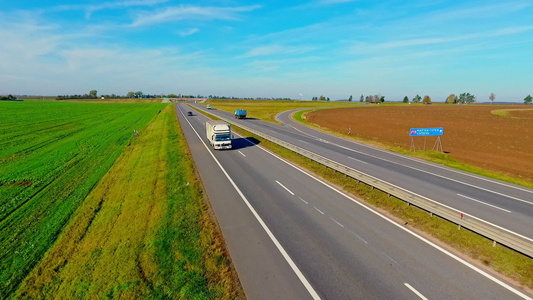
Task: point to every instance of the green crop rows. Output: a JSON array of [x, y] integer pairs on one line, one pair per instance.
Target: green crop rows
[[51, 156]]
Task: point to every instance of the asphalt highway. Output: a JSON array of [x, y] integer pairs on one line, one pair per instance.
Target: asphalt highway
[[292, 236], [502, 204]]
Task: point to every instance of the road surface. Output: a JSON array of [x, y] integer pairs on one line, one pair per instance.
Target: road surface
[[292, 236]]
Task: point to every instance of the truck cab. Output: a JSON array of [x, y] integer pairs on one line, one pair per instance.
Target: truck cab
[[219, 134]]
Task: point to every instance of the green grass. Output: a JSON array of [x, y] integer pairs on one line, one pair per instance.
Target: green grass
[[51, 156], [506, 112], [266, 110], [143, 232]]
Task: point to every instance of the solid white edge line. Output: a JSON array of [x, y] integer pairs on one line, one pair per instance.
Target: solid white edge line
[[422, 162], [434, 174], [469, 198], [444, 205], [460, 260], [291, 263], [444, 251], [285, 188], [415, 291]]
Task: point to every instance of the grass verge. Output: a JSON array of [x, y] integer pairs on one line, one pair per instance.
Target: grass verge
[[501, 259], [266, 110], [144, 232]]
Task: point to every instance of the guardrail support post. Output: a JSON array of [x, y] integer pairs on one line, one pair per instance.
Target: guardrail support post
[[459, 228], [494, 243]]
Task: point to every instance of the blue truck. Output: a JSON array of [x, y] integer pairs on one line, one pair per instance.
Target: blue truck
[[240, 114]]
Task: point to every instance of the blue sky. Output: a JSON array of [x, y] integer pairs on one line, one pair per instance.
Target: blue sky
[[334, 48]]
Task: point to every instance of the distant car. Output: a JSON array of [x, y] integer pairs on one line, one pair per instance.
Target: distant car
[[189, 113]]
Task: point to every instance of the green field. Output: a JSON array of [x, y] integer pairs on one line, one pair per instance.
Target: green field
[[51, 156], [266, 110], [91, 210], [142, 232]]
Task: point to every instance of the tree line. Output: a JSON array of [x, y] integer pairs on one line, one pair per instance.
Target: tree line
[[8, 98], [463, 98]]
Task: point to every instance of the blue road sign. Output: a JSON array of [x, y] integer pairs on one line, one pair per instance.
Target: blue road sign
[[426, 131]]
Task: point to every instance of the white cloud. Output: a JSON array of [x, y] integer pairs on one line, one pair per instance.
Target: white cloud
[[478, 11], [171, 14], [276, 49], [90, 9], [470, 37], [329, 2], [187, 32]]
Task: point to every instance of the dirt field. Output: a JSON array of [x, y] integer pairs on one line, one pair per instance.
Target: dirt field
[[501, 142]]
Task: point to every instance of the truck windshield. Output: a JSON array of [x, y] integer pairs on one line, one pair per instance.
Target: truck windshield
[[222, 137]]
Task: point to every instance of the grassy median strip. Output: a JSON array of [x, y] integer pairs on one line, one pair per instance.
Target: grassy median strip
[[143, 232], [508, 262]]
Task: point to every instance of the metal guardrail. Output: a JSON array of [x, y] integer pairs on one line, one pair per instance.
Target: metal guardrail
[[493, 232]]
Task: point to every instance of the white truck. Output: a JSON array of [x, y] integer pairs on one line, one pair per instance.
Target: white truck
[[218, 134]]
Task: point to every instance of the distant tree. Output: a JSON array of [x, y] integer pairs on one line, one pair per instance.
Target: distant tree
[[451, 99], [138, 94], [427, 99], [172, 96], [130, 95], [350, 99], [362, 98], [9, 97], [492, 97], [417, 98], [466, 98], [528, 99], [93, 93], [382, 99], [327, 99], [405, 99], [322, 98]]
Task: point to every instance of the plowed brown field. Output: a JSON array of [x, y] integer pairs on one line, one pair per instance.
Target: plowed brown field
[[472, 134]]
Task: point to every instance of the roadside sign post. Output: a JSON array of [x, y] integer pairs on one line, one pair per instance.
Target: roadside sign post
[[425, 132]]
